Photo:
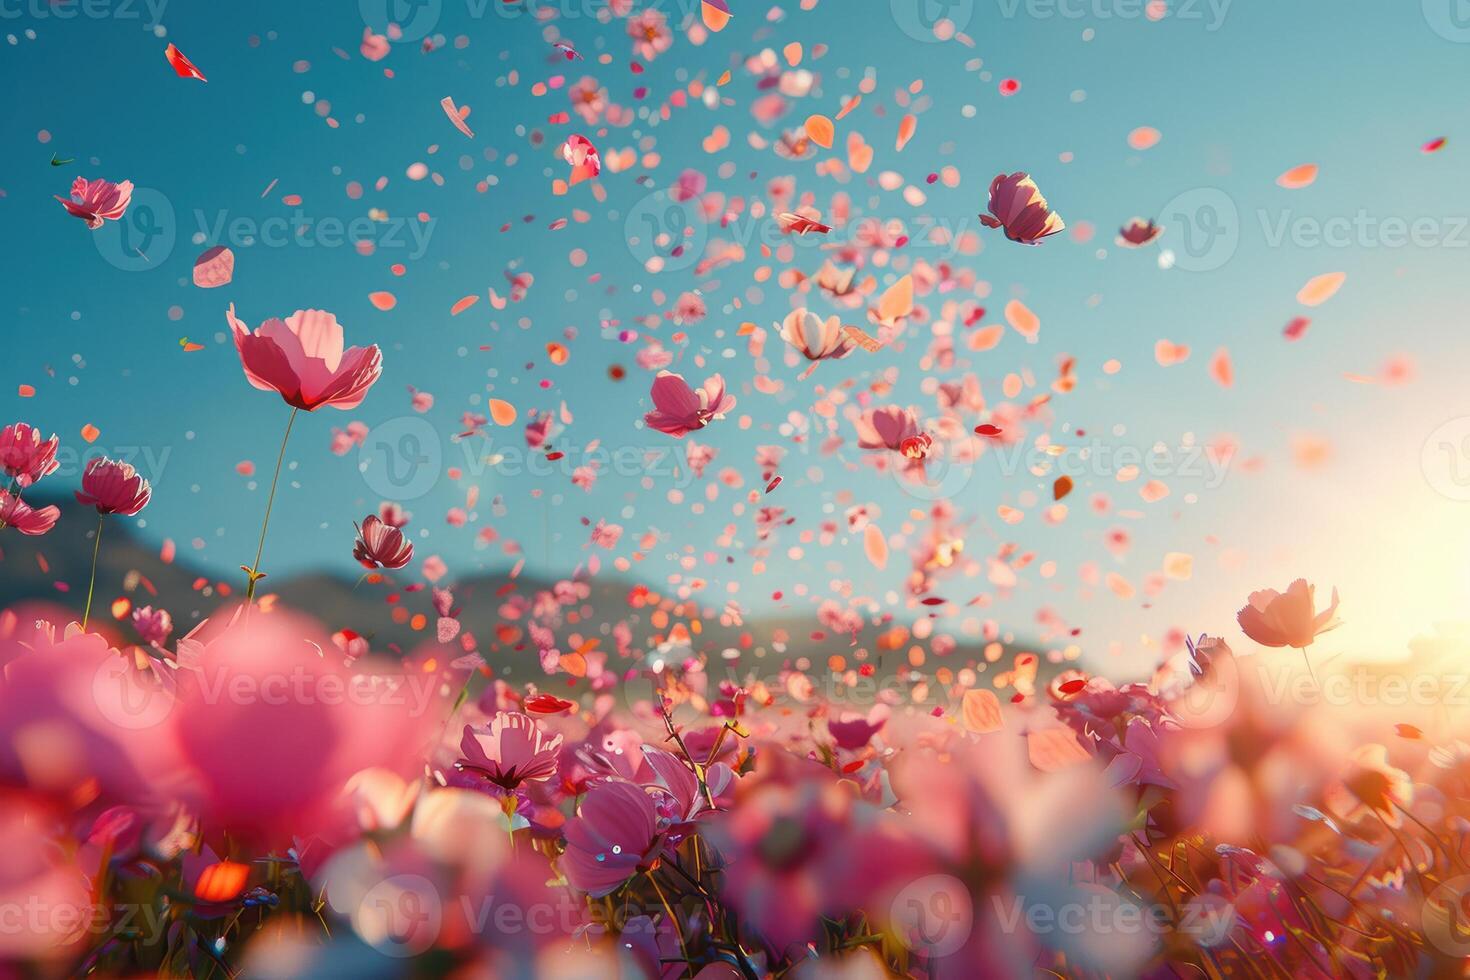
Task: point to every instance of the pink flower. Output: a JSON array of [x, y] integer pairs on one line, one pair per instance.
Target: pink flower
[[514, 751], [302, 359], [1138, 233], [538, 430], [26, 519], [589, 99], [814, 338], [888, 427], [381, 545], [153, 625], [680, 409], [1016, 204], [691, 184], [613, 837], [1290, 620], [25, 456], [606, 535], [582, 156], [393, 514], [690, 308], [650, 32], [374, 47], [698, 456], [96, 201], [113, 488]]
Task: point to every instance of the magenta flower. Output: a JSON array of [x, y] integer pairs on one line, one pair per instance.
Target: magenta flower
[[113, 488], [514, 751], [153, 625], [613, 837], [26, 519], [680, 409], [381, 545], [1017, 206], [650, 32], [25, 456], [96, 201], [302, 359], [1138, 233]]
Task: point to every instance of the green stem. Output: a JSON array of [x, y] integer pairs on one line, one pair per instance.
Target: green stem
[[92, 584], [254, 570]]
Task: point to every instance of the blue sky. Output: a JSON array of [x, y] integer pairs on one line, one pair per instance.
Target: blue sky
[[1240, 92]]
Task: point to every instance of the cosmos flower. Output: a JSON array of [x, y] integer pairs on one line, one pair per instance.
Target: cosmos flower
[[153, 625], [680, 409], [26, 519], [96, 201], [589, 99], [25, 456], [1290, 620], [381, 545], [515, 750], [113, 488], [888, 427], [1017, 206], [1370, 785], [814, 338], [650, 32], [1138, 233], [302, 359], [613, 837]]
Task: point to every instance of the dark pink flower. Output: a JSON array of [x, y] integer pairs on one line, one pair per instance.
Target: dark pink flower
[[515, 750], [96, 201], [680, 409], [113, 488], [613, 837], [1017, 206], [1138, 233], [25, 456], [381, 545], [153, 625], [302, 359], [26, 519]]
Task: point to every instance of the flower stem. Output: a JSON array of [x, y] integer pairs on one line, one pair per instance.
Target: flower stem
[[254, 570], [92, 584], [10, 493]]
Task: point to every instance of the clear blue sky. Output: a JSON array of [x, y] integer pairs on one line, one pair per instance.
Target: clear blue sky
[[1356, 88]]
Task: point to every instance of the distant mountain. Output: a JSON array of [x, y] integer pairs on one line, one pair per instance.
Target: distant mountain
[[54, 568]]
